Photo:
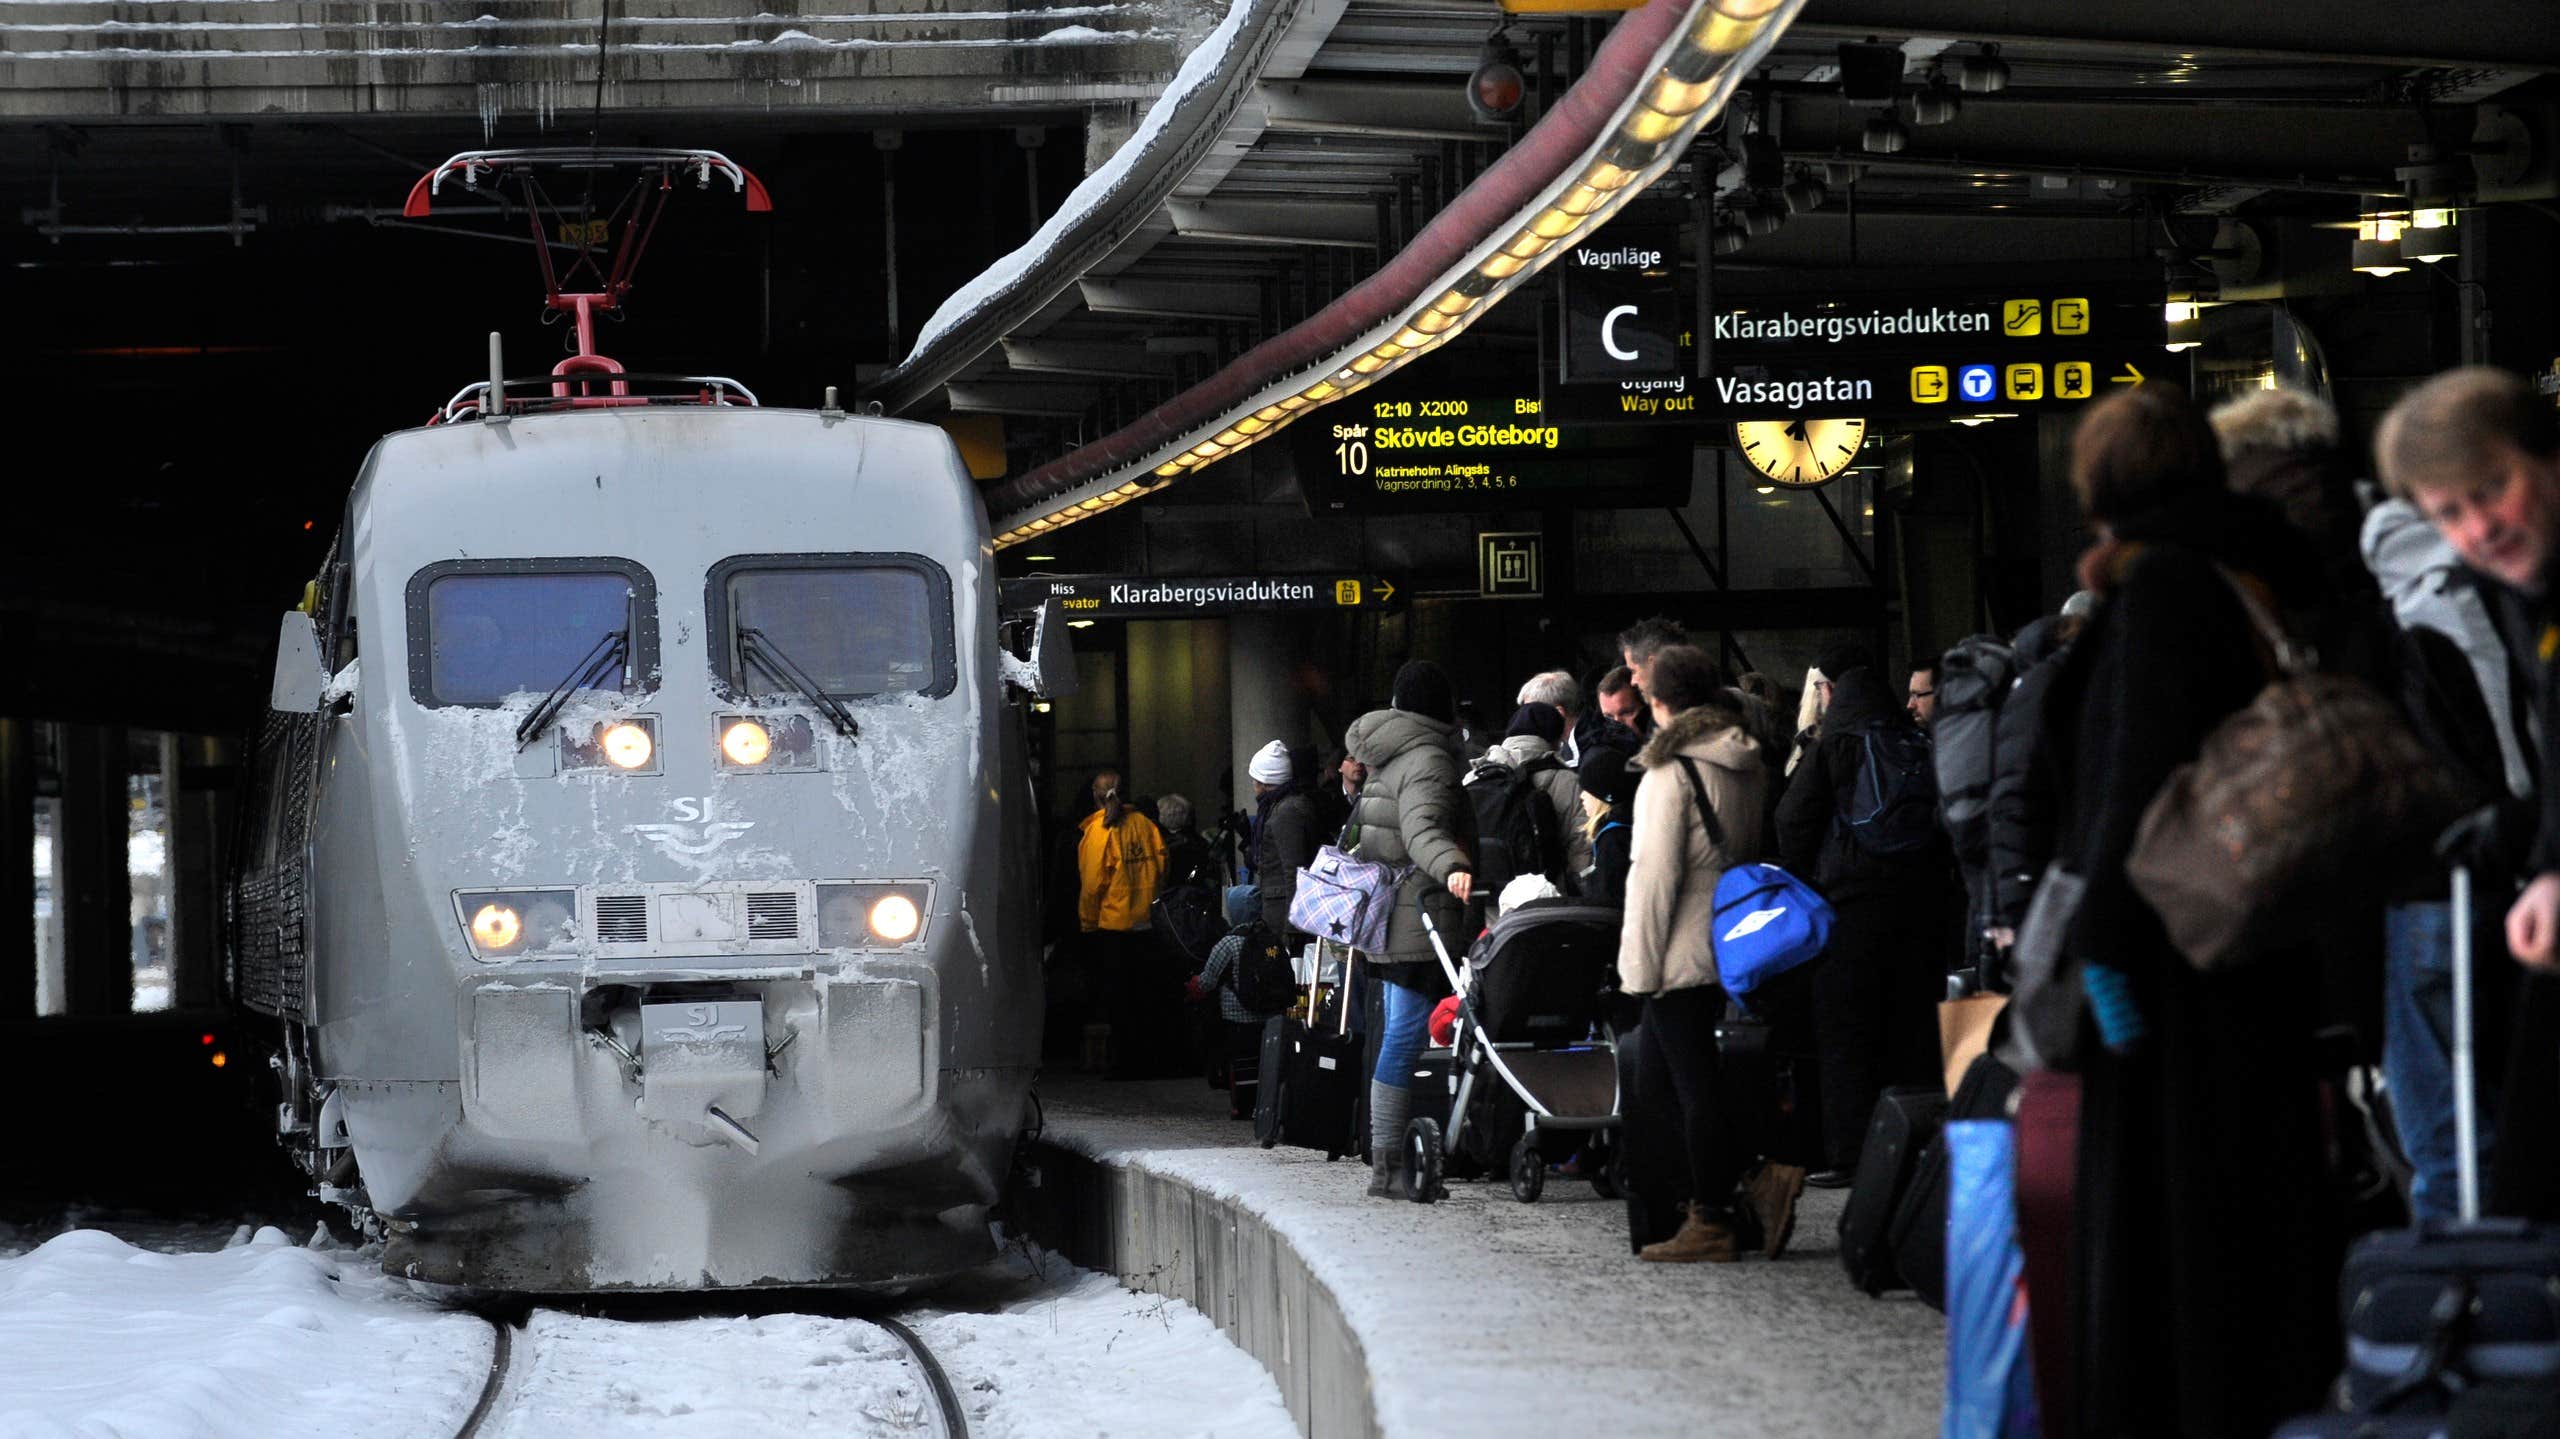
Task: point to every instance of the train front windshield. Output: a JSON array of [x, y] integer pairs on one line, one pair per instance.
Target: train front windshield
[[496, 629], [856, 625]]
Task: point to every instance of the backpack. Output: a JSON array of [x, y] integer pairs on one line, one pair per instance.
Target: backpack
[[1187, 916], [1516, 830], [1265, 981], [1892, 804], [1973, 680]]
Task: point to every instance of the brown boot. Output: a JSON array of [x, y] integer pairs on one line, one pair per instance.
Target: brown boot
[[1772, 1193], [1700, 1239]]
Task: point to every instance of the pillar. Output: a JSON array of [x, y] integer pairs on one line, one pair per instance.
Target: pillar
[[1262, 692], [200, 782], [17, 870], [92, 886]]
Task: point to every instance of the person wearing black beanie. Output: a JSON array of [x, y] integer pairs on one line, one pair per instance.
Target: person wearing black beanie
[[1608, 794], [1423, 688], [1544, 722]]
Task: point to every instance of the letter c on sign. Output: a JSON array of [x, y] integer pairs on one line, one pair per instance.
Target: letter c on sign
[[1609, 333]]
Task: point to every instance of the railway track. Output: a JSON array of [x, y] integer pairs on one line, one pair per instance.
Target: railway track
[[517, 1348]]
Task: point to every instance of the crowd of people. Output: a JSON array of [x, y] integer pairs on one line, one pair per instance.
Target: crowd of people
[[2215, 1104]]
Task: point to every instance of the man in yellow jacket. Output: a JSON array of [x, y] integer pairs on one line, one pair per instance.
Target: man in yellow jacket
[[1119, 863]]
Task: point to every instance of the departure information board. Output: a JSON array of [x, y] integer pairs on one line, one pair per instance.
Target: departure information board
[[1418, 450]]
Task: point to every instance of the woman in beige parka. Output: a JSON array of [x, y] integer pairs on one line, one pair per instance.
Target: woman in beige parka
[[1701, 750]]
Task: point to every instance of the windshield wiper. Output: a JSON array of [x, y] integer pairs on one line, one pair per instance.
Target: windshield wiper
[[608, 651], [757, 649]]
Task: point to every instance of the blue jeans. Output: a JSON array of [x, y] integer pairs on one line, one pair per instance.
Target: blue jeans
[[2417, 1050], [1408, 1017]]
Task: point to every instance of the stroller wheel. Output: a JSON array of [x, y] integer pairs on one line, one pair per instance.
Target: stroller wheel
[[1422, 1161], [1604, 1183], [1528, 1171]]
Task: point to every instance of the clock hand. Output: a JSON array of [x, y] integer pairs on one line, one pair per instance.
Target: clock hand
[[1795, 431]]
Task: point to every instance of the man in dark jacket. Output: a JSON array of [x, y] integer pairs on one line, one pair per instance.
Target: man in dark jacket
[[1285, 834], [1877, 986], [2023, 785], [2478, 452]]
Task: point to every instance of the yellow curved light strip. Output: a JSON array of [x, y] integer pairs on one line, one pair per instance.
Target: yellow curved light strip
[[1695, 73]]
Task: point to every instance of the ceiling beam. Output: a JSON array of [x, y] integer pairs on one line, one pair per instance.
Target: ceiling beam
[[2347, 150], [983, 397], [1089, 358], [1387, 109], [1279, 222], [2487, 34], [1172, 299]]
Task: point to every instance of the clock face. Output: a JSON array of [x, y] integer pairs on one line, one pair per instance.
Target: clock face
[[1800, 452]]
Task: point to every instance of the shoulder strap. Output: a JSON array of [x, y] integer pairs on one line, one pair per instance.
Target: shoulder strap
[[1698, 792], [2291, 657]]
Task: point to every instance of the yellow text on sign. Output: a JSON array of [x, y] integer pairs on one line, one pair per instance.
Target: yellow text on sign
[[2024, 382], [2071, 317], [1346, 592], [1929, 384], [2019, 318], [2071, 380]]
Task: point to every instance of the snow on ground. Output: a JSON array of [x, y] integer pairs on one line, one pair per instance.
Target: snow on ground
[[1060, 1351], [208, 1334], [265, 1337], [574, 1377]]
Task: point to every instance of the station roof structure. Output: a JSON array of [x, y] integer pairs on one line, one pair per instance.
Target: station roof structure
[[1337, 129]]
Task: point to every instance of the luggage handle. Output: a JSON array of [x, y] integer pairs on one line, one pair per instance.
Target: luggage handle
[[1315, 980], [2462, 845]]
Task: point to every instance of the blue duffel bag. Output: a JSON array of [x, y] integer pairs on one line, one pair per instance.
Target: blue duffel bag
[[1767, 921]]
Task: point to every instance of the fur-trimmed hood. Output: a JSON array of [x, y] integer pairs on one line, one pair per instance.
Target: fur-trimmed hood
[[1713, 732]]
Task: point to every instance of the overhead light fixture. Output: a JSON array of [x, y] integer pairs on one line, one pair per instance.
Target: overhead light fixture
[[1805, 193], [2430, 236], [1041, 559], [1728, 235], [1884, 135], [1986, 73], [1839, 174], [1763, 218], [1497, 87], [1935, 104], [2377, 248], [2185, 320]]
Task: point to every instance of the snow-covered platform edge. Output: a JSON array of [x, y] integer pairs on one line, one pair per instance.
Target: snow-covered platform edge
[[1171, 1236]]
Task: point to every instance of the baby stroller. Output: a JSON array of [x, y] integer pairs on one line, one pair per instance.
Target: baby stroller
[[1524, 1070]]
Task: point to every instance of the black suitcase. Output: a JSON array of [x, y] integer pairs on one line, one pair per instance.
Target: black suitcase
[[1645, 1163], [1310, 1081], [2456, 1323], [1906, 1118], [1919, 1232]]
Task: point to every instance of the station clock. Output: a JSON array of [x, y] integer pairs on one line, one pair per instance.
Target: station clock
[[1805, 453]]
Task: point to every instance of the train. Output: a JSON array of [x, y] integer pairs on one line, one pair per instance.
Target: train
[[639, 884]]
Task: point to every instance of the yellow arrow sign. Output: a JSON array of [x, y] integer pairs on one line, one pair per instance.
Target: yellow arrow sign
[[2131, 376], [1386, 591]]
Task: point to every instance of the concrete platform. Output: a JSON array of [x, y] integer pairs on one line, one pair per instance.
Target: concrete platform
[[1480, 1315]]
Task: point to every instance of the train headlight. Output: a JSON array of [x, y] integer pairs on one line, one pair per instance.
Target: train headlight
[[859, 914], [628, 746], [496, 928], [625, 744], [895, 919], [746, 743], [507, 924], [766, 743]]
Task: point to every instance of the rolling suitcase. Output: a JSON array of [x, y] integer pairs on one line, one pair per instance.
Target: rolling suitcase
[[1919, 1231], [1308, 1080], [1906, 1118], [2047, 1119], [2453, 1323]]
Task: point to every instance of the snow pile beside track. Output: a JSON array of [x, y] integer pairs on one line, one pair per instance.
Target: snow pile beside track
[[259, 1339]]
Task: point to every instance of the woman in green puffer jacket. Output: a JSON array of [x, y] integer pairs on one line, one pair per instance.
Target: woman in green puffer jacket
[[1410, 812]]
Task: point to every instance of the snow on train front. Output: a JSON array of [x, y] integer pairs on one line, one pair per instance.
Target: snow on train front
[[668, 855]]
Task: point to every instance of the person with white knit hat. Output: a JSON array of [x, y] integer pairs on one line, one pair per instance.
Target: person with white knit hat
[[1284, 836]]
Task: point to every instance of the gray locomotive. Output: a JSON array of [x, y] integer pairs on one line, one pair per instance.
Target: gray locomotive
[[642, 877]]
